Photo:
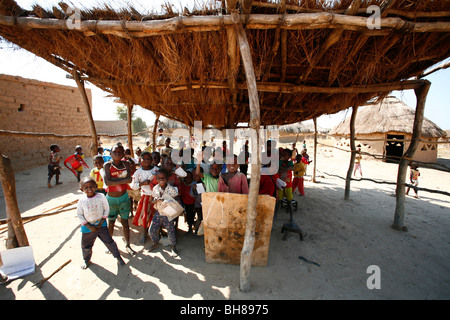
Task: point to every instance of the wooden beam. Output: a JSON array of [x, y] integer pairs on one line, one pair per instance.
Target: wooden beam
[[16, 230], [42, 135], [306, 21], [87, 108], [353, 155], [255, 122], [421, 96], [274, 86]]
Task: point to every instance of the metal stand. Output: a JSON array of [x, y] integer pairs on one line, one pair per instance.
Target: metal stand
[[291, 226]]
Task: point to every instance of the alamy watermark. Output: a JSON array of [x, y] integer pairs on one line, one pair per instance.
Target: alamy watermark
[[374, 280], [373, 22], [268, 146]]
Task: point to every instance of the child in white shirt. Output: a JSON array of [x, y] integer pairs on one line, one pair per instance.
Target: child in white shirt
[[93, 210]]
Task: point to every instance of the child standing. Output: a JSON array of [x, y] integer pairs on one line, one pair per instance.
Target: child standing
[[92, 210], [197, 188], [158, 192], [117, 176], [187, 199], [358, 158], [96, 173], [142, 180], [285, 174], [79, 155], [53, 165], [299, 172], [233, 181], [414, 179]]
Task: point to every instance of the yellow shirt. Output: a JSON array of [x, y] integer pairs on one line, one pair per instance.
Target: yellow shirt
[[95, 173], [299, 170]]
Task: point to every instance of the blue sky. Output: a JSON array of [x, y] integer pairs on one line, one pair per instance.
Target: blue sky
[[22, 63]]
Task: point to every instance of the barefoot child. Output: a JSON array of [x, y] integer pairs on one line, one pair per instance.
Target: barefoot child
[[92, 210], [161, 189], [142, 180], [79, 155], [53, 164], [414, 179], [117, 176]]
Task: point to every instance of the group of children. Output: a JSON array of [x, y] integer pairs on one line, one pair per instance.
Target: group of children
[[156, 178]]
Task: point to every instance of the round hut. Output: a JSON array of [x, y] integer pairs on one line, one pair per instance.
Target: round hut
[[386, 128]]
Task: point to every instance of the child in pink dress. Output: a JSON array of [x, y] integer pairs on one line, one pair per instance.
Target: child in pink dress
[[233, 181]]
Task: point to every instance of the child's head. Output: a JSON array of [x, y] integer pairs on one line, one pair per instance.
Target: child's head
[[298, 157], [100, 150], [138, 151], [285, 154], [117, 152], [197, 177], [146, 160], [54, 148], [88, 186], [189, 177], [168, 164], [162, 177], [98, 161], [233, 167], [215, 170], [167, 142], [156, 158], [78, 149], [127, 152]]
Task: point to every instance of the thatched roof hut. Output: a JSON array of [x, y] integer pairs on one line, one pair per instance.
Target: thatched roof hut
[[310, 57], [389, 115], [392, 119]]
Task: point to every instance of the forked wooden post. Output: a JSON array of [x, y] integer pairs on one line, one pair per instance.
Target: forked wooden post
[[255, 122], [155, 126], [421, 97], [315, 150], [130, 128], [87, 107], [12, 209], [353, 154]]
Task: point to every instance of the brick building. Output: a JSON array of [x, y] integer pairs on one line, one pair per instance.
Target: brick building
[[28, 105]]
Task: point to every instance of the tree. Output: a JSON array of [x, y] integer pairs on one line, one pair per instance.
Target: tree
[[122, 113], [138, 125]]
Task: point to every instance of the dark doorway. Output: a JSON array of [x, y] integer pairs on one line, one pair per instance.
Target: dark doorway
[[394, 149]]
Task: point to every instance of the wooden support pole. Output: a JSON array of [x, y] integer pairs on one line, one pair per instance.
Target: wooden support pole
[[421, 97], [315, 150], [130, 127], [15, 224], [155, 127], [80, 84], [353, 155], [255, 122]]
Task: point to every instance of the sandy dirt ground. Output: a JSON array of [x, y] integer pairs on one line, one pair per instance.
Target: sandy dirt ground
[[343, 237]]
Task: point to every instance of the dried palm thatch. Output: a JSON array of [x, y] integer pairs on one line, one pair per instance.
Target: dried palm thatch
[[389, 115], [310, 57]]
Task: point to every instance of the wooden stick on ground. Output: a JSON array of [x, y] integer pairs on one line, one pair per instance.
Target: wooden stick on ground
[[40, 283]]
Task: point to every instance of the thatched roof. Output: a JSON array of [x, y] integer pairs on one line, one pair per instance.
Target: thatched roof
[[310, 57], [389, 115]]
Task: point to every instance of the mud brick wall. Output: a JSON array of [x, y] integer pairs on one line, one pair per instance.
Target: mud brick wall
[[28, 105]]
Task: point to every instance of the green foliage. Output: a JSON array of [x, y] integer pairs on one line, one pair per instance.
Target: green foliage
[[138, 125]]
